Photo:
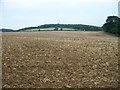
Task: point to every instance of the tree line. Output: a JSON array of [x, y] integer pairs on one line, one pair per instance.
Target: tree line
[[61, 26]]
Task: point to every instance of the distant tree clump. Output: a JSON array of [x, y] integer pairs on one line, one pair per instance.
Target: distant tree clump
[[39, 30], [61, 29], [56, 29], [112, 25]]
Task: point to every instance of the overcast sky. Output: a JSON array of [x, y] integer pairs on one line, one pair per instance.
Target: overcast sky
[[17, 14]]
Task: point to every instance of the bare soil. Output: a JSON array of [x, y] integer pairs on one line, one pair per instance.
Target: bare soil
[[57, 59]]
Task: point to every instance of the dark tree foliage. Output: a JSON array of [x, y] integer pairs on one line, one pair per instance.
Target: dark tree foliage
[[61, 29], [7, 30], [56, 29], [72, 26], [112, 25], [118, 27], [26, 28], [77, 27]]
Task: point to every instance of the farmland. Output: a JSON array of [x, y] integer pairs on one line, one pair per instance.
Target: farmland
[[57, 59]]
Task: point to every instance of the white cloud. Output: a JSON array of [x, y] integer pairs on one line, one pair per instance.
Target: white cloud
[[48, 3], [31, 2], [20, 13]]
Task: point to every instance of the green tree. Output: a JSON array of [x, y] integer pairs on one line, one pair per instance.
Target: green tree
[[56, 29], [61, 29], [112, 27]]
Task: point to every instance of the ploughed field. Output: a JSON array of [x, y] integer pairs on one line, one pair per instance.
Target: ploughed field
[[59, 59]]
